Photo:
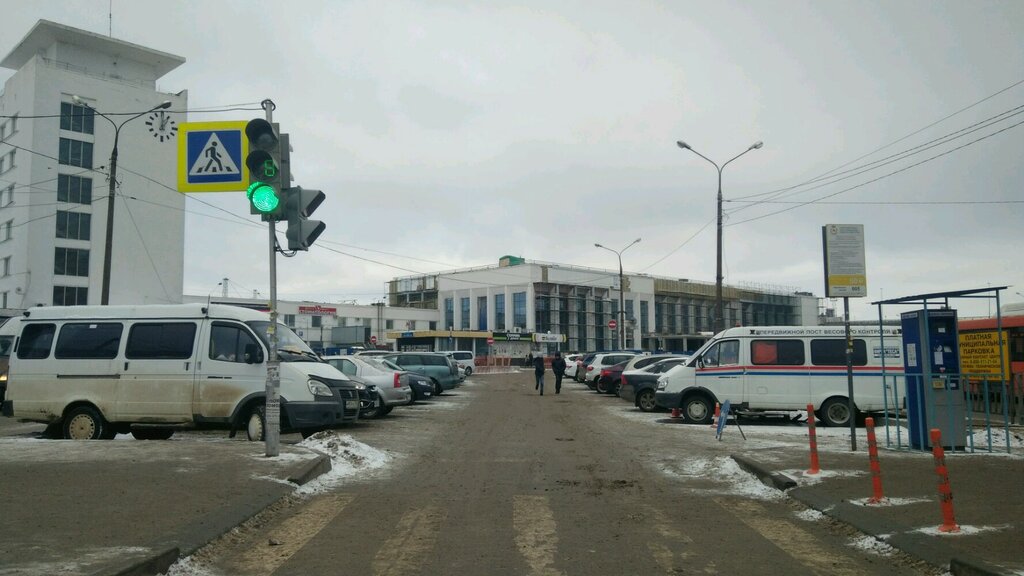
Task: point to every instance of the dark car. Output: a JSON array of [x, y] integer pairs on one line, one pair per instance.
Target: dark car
[[436, 366], [422, 386], [607, 381], [640, 386]]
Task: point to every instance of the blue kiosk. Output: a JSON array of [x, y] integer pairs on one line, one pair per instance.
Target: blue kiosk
[[931, 362]]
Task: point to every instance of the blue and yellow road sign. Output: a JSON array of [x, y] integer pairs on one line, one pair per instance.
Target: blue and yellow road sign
[[211, 157]]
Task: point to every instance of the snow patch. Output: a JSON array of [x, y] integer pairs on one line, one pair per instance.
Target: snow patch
[[348, 457], [964, 530], [872, 545], [189, 567], [809, 515], [889, 502], [725, 471], [803, 478], [980, 439]]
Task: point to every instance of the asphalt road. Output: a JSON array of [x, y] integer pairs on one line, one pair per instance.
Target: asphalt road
[[493, 479]]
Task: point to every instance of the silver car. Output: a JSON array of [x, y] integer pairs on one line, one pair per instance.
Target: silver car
[[391, 387]]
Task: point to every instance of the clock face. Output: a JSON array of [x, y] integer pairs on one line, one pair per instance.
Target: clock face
[[161, 125]]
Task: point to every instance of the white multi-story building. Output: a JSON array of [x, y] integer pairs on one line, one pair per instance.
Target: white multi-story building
[[55, 155], [520, 305]]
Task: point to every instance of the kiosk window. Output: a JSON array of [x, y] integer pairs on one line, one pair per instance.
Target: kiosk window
[[161, 340], [89, 340], [777, 352], [832, 352], [36, 340]]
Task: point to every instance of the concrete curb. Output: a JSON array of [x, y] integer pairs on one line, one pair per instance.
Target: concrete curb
[[972, 567], [154, 564], [766, 476], [320, 465]]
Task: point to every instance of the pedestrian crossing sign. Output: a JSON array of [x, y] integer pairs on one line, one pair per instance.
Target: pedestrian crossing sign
[[211, 157]]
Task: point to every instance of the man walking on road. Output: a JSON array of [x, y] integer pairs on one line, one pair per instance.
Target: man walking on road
[[558, 367], [538, 371]]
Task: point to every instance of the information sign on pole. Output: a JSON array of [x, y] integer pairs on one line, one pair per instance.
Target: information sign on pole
[[845, 273]]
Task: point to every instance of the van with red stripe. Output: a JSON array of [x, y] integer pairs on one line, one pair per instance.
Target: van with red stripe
[[785, 368]]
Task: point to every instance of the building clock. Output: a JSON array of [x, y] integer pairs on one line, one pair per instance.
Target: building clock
[[161, 125]]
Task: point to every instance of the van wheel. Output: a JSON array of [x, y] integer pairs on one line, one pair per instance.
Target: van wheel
[[86, 423], [256, 423], [835, 412], [152, 433], [645, 401], [697, 409]]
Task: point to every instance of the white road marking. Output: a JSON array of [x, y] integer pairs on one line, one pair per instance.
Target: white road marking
[[536, 536], [413, 540]]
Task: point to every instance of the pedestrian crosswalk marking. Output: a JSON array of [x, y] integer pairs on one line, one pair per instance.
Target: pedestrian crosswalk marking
[[412, 541], [536, 534]]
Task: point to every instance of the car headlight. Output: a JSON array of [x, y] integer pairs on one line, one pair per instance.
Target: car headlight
[[662, 384], [318, 388]]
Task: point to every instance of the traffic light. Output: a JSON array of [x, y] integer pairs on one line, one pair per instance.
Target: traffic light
[[300, 203], [268, 163]]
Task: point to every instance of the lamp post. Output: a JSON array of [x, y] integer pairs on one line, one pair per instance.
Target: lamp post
[[622, 290], [108, 247], [719, 317]]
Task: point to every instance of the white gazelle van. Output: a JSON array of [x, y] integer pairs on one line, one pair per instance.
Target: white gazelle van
[[785, 368], [92, 372]]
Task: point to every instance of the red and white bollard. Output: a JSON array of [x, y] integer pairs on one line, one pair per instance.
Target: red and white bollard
[[718, 414], [676, 413], [813, 434], [945, 492], [876, 468]]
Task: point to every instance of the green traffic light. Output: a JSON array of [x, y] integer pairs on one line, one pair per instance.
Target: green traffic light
[[263, 197]]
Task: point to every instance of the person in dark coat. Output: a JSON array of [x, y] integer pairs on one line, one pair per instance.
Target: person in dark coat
[[558, 367], [538, 371]]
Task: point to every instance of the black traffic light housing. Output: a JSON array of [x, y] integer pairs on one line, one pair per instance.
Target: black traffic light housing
[[299, 205], [269, 169]]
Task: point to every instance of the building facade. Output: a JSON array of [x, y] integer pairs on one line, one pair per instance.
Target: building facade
[[55, 155], [543, 306]]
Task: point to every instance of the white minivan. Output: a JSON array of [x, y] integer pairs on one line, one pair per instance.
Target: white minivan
[[95, 371], [785, 368]]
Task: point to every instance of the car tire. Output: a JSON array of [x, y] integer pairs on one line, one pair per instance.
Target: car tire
[[469, 371], [698, 409], [437, 388], [86, 423], [256, 423], [387, 410], [152, 433], [835, 412], [600, 387], [645, 401]]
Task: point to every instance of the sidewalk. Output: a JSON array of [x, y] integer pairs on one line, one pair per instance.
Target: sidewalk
[[988, 500], [133, 507]]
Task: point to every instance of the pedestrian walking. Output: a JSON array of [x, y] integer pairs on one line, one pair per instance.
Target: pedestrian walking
[[538, 371], [558, 368]]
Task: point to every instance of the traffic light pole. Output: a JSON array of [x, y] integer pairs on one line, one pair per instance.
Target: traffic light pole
[[272, 423]]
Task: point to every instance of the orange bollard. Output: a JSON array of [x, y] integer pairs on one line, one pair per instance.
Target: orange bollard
[[876, 469], [718, 414], [813, 434], [945, 492], [675, 413]]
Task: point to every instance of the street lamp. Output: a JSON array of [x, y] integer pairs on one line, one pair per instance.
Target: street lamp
[[719, 317], [105, 294], [622, 289]]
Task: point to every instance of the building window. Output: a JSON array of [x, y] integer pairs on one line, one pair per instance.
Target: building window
[[76, 118], [7, 162], [644, 324], [7, 196], [8, 128], [481, 313], [464, 308], [432, 325], [72, 225], [5, 267], [519, 309], [74, 189], [542, 314], [75, 153], [7, 231], [70, 296], [449, 312], [389, 324], [3, 299], [499, 311], [289, 320], [70, 262], [316, 321]]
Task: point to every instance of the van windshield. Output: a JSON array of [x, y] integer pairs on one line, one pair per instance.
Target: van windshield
[[290, 348]]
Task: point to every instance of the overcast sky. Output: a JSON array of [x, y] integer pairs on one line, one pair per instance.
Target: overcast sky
[[448, 134]]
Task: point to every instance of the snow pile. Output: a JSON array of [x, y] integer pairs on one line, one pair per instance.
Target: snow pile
[[964, 530], [980, 438], [809, 515], [348, 457], [872, 545], [723, 470], [803, 478], [889, 501]]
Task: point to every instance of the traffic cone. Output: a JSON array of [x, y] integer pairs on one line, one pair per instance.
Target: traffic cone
[[675, 413], [718, 413]]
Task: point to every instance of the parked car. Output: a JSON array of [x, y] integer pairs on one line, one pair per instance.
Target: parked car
[[600, 361], [7, 332], [640, 386], [571, 365], [466, 359], [421, 386], [608, 380], [441, 369], [369, 353], [390, 388]]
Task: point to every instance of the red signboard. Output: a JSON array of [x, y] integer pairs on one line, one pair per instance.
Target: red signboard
[[612, 324], [318, 310], [373, 339]]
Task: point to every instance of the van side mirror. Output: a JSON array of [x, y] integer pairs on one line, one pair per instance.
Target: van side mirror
[[253, 354]]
